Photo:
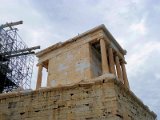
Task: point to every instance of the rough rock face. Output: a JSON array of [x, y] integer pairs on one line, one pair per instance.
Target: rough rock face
[[103, 98]]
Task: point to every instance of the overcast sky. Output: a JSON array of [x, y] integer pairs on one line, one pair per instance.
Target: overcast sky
[[134, 23]]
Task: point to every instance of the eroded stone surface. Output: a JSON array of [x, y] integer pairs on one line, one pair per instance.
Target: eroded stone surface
[[103, 98]]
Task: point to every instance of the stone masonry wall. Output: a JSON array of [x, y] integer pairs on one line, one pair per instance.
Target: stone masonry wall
[[69, 67], [131, 108], [70, 63], [97, 100]]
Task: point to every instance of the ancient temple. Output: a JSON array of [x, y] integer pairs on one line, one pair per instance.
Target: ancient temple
[[86, 80], [83, 57]]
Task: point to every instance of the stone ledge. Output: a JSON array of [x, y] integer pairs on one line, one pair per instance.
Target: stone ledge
[[101, 79], [104, 79]]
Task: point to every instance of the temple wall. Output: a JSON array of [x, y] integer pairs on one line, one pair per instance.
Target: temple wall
[[100, 99], [71, 63], [70, 67]]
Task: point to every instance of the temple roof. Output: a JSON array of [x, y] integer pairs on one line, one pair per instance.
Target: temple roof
[[60, 44]]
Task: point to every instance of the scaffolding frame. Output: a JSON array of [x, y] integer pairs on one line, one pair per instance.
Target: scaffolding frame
[[16, 61]]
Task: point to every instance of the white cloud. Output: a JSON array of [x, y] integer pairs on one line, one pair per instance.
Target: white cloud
[[157, 76], [140, 27], [141, 54]]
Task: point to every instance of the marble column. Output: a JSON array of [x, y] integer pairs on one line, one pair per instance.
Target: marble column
[[105, 68], [118, 67], [111, 61], [39, 77], [125, 79]]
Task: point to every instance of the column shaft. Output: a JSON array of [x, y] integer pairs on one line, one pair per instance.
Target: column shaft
[[105, 68], [119, 72], [39, 77], [111, 61], [126, 83]]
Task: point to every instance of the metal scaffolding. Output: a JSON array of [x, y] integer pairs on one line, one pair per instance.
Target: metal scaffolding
[[16, 60]]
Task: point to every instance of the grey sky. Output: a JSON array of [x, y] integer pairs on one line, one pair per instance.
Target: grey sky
[[134, 24]]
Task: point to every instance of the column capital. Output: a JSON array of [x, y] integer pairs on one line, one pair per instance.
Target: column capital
[[100, 38], [120, 56], [116, 56], [107, 42], [122, 62], [39, 64]]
